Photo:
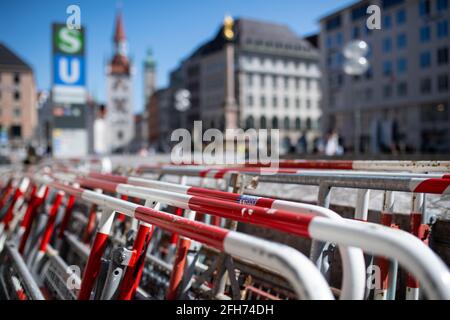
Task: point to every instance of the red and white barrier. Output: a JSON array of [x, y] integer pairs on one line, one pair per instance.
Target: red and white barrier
[[306, 280], [378, 240]]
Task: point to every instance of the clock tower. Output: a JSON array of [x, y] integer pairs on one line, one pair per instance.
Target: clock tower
[[120, 116]]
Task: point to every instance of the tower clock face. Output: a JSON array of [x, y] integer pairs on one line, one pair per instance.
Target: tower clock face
[[119, 85], [120, 105]]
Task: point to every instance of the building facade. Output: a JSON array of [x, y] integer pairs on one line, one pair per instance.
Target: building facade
[[18, 100], [120, 115], [402, 102], [276, 81]]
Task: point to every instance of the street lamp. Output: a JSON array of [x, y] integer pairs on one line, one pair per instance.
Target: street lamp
[[356, 64]]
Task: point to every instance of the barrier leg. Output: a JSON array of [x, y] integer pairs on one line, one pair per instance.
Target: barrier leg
[[65, 221], [133, 272], [362, 214], [318, 248], [48, 229], [176, 277], [90, 226], [412, 285], [98, 248], [381, 262]]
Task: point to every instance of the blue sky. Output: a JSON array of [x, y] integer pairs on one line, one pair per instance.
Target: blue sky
[[172, 28]]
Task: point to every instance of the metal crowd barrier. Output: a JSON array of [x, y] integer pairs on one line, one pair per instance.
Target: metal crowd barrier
[[191, 198], [38, 209], [418, 184], [303, 276]]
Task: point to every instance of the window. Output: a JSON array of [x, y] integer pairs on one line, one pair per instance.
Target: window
[[425, 34], [339, 39], [120, 135], [426, 85], [17, 112], [16, 131], [368, 93], [16, 95], [286, 82], [274, 82], [387, 22], [297, 103], [355, 33], [387, 45], [297, 83], [425, 60], [249, 122], [308, 104], [275, 101], [443, 83], [16, 78], [402, 65], [387, 91], [442, 56], [286, 102], [308, 84], [387, 68], [308, 123], [263, 122], [250, 101], [435, 112], [402, 89], [298, 123], [249, 79], [287, 124], [401, 41], [274, 123], [263, 102], [424, 7], [442, 5], [263, 81], [442, 29], [401, 17]]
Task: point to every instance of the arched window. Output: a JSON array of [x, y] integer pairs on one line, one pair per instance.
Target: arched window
[[298, 123], [287, 124], [274, 123], [250, 122], [308, 123], [263, 122]]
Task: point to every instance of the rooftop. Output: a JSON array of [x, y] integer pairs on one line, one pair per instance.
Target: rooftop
[[11, 61]]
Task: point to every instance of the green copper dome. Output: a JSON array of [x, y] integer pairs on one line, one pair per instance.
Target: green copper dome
[[149, 61]]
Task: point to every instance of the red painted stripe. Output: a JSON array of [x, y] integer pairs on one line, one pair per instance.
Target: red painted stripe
[[33, 214], [334, 165], [109, 177], [133, 272], [67, 189], [10, 212], [197, 231], [282, 220], [51, 222], [98, 184], [93, 266], [381, 262], [196, 191], [179, 264], [435, 186], [67, 216], [90, 226], [265, 202], [203, 173], [174, 237]]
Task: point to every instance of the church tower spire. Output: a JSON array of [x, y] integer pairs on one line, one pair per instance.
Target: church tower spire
[[120, 63]]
